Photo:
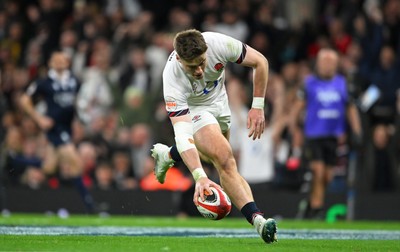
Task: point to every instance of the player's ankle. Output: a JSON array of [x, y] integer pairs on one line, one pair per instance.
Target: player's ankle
[[257, 217]]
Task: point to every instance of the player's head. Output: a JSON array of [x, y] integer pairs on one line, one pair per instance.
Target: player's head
[[327, 63], [59, 61], [191, 48]]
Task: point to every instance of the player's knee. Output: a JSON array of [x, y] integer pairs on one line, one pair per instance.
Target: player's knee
[[49, 169], [319, 175], [227, 164]]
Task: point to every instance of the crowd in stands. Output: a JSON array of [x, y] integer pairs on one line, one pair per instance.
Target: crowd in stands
[[118, 49]]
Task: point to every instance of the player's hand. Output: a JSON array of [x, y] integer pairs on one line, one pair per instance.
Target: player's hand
[[203, 185], [44, 122], [256, 123]]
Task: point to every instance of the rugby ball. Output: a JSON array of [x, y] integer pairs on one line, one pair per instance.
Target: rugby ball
[[216, 205]]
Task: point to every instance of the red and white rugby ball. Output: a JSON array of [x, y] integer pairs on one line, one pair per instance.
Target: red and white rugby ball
[[215, 206]]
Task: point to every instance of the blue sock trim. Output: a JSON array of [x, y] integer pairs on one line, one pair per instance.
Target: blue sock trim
[[249, 210]]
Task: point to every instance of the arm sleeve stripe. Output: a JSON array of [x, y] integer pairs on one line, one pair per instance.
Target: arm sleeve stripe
[[178, 113], [242, 55]]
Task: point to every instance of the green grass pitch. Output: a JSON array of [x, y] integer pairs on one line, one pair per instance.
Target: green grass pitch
[[165, 242]]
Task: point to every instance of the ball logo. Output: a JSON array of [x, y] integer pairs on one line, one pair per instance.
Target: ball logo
[[208, 215], [216, 205]]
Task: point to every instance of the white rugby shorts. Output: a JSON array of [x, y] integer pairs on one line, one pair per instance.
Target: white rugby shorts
[[217, 112]]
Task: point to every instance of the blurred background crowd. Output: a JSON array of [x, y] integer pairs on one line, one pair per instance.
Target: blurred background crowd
[[118, 48]]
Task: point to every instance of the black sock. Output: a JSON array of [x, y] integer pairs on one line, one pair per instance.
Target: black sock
[[249, 210], [84, 193], [314, 213], [175, 154]]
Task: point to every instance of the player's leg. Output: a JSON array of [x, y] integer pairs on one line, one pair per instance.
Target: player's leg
[[71, 168], [211, 143], [51, 157], [50, 161], [328, 176], [329, 157], [226, 134], [317, 185], [310, 207], [71, 162], [322, 171], [214, 145]]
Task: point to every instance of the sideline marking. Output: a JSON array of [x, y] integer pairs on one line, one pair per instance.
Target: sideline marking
[[307, 234]]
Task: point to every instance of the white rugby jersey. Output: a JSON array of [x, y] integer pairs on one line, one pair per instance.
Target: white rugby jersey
[[182, 91]]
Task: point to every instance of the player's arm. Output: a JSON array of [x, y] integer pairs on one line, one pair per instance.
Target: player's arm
[[26, 104], [183, 129], [184, 139], [354, 120], [297, 107], [256, 117]]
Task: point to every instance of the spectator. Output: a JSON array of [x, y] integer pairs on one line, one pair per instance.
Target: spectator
[[137, 73], [231, 25], [95, 98], [123, 175], [387, 78], [237, 102], [14, 42], [340, 39], [104, 179], [3, 23], [179, 19], [255, 158], [89, 157], [156, 54], [68, 41], [381, 164], [140, 142], [130, 8]]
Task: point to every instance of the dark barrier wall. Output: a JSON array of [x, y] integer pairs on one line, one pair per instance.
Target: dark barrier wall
[[166, 203]]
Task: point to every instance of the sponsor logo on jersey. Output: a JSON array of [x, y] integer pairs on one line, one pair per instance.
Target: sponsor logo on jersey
[[327, 97], [64, 99], [170, 103], [210, 85]]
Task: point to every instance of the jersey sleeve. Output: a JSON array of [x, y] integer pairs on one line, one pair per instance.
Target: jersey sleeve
[[36, 89], [232, 49], [174, 97]]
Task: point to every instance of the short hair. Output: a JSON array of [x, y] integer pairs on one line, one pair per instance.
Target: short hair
[[190, 44]]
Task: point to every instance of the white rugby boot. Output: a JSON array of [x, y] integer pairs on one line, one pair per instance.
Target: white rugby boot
[[160, 153], [266, 228]]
